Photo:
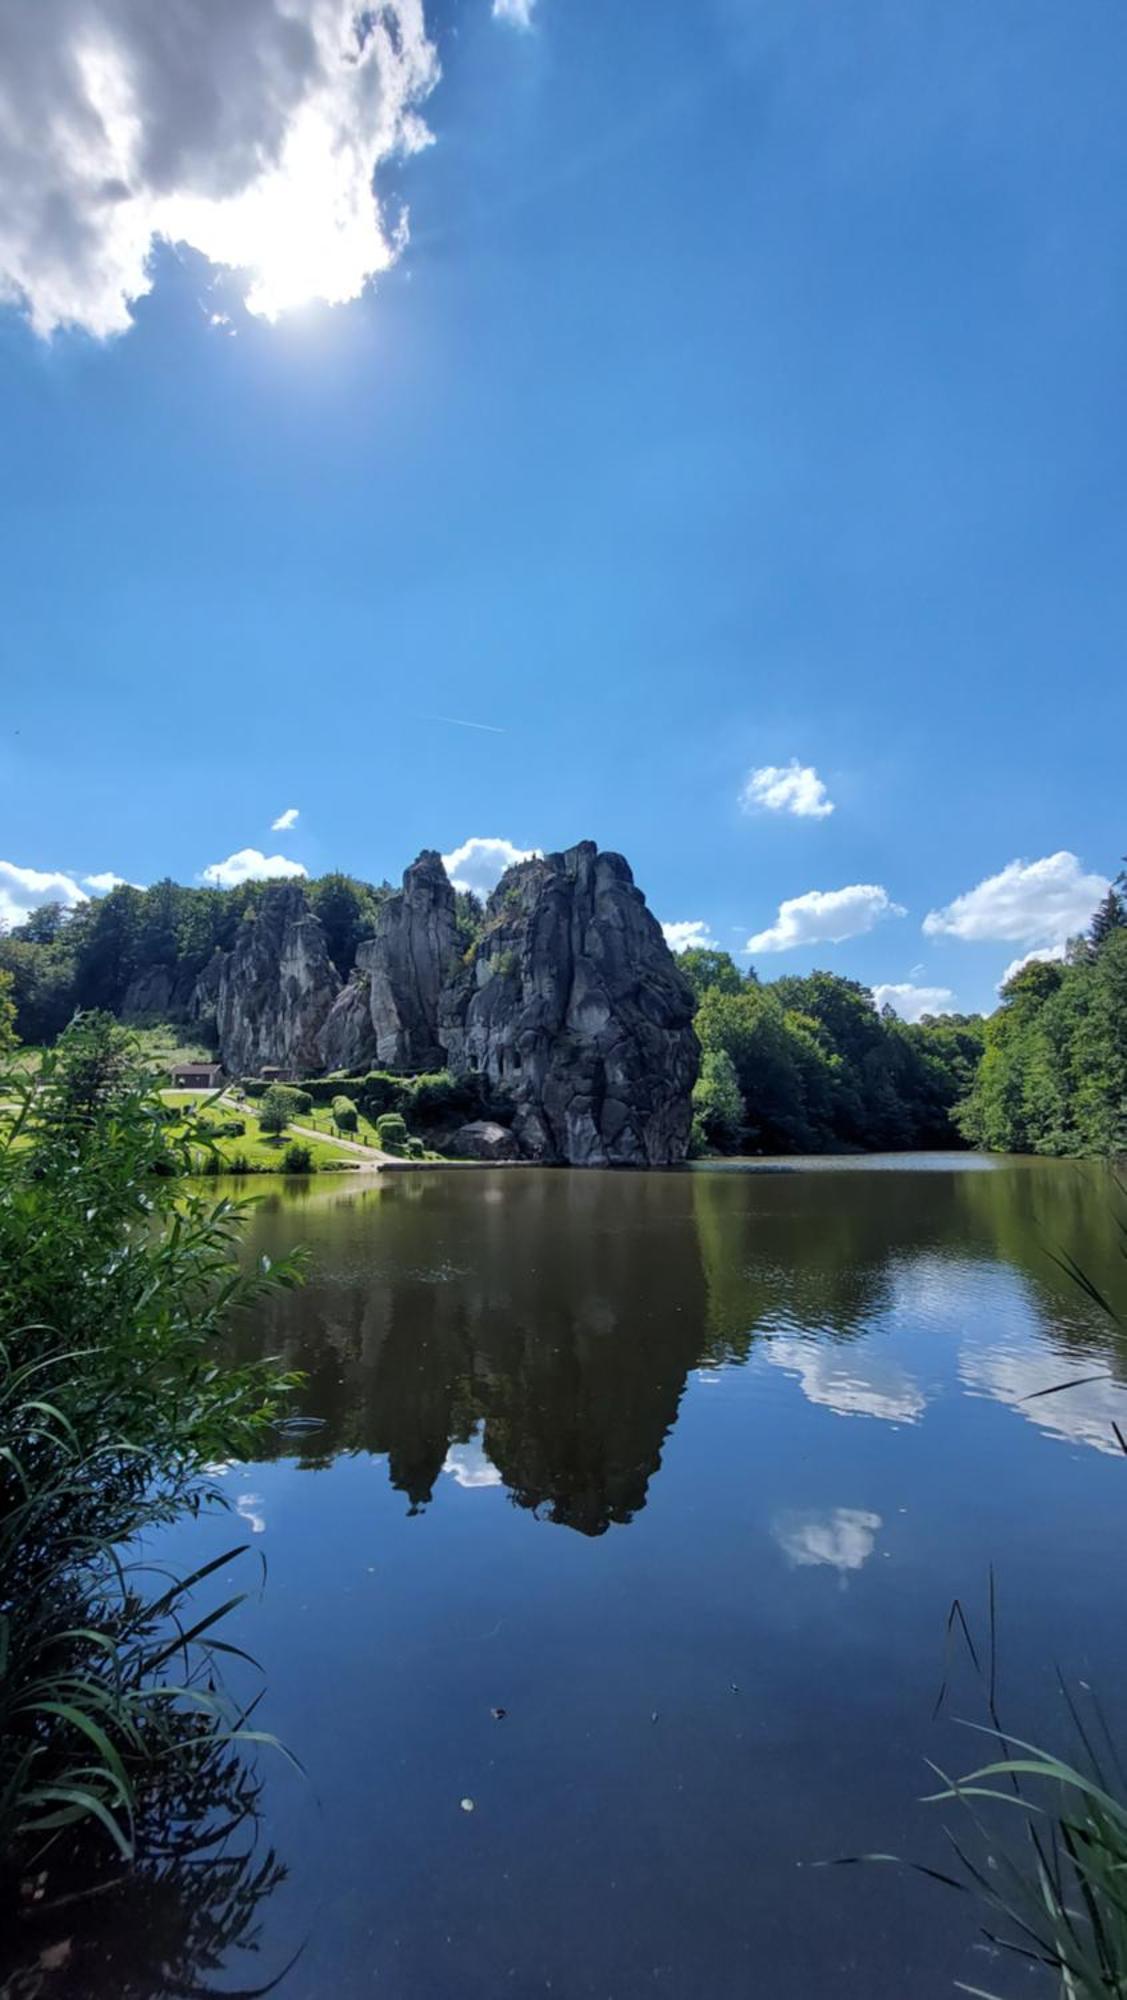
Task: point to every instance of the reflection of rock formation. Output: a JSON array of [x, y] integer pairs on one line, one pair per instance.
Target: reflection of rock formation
[[548, 1334]]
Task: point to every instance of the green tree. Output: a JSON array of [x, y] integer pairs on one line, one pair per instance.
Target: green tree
[[1111, 916], [718, 1106], [709, 971], [278, 1106]]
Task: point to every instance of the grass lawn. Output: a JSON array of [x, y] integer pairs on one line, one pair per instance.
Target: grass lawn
[[258, 1152]]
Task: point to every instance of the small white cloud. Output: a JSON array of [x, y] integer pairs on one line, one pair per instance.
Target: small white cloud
[[1027, 902], [246, 1507], [826, 916], [107, 880], [1048, 954], [689, 936], [793, 788], [518, 13], [249, 865], [250, 131], [285, 821], [25, 889], [480, 862], [842, 1539], [913, 1002]]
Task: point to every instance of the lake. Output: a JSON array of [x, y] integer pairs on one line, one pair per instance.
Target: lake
[[682, 1473]]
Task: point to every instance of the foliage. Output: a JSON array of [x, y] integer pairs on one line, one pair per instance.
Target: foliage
[[347, 910], [392, 1132], [7, 1014], [1053, 1077], [114, 1286], [712, 971], [279, 1106], [345, 1115], [719, 1112], [297, 1158]]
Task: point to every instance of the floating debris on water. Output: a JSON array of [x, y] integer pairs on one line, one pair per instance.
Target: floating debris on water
[[467, 1805]]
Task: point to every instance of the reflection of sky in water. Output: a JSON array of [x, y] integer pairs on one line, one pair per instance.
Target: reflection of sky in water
[[1082, 1415], [467, 1464], [852, 1381], [842, 1539]]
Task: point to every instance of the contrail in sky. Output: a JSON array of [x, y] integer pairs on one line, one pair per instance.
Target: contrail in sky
[[460, 722]]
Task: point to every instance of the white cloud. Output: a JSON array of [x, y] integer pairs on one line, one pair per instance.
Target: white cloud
[[794, 788], [517, 12], [913, 1002], [286, 820], [843, 1539], [249, 865], [1083, 1415], [107, 880], [25, 889], [853, 1382], [246, 1507], [480, 862], [1048, 954], [826, 916], [249, 131], [692, 936], [1028, 902]]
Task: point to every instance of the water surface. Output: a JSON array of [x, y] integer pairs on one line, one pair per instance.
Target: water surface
[[681, 1471]]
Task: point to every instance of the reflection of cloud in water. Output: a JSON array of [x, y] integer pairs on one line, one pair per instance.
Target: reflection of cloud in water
[[854, 1382], [246, 1507], [468, 1465], [1083, 1415], [842, 1539]]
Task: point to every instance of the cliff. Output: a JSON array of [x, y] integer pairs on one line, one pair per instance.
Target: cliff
[[570, 1005]]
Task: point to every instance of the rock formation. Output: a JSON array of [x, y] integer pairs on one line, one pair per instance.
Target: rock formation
[[575, 1009], [275, 988], [415, 952], [347, 1039], [571, 1006]]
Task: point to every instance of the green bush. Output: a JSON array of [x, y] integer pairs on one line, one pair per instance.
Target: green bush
[[297, 1159], [345, 1116], [117, 1281], [280, 1104], [415, 1149], [392, 1132]]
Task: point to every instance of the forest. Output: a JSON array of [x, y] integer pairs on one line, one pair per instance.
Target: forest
[[801, 1063]]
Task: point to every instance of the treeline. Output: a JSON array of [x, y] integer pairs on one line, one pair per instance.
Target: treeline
[[807, 1064], [1053, 1076], [113, 954]]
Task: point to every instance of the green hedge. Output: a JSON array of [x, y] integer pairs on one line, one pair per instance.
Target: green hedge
[[427, 1102]]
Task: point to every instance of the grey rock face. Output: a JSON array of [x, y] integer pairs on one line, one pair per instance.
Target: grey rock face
[[275, 988], [575, 1008], [347, 1039], [413, 955], [481, 1139]]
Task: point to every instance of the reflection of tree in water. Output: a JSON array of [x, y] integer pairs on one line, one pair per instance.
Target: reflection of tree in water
[[559, 1314], [187, 1911], [563, 1316]]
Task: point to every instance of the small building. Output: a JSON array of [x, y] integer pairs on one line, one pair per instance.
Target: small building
[[197, 1076], [275, 1073]]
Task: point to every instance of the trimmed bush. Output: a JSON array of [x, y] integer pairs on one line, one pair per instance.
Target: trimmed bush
[[345, 1115], [297, 1159], [392, 1132]]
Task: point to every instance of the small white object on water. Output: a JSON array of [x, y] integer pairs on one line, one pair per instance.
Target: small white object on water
[[467, 1805]]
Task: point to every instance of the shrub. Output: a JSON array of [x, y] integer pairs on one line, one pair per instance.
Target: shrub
[[392, 1132], [415, 1149], [345, 1116], [297, 1158], [115, 1284]]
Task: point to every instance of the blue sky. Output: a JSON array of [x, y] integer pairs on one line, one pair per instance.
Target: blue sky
[[750, 393]]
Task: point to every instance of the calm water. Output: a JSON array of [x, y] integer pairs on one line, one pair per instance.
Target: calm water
[[682, 1472]]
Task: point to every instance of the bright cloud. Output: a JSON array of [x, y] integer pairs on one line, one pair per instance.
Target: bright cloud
[[826, 916], [249, 865], [517, 12], [285, 821], [793, 788], [25, 889], [692, 936], [480, 862], [250, 132], [843, 1539], [467, 1464], [1049, 954], [913, 1002], [1028, 902], [107, 880], [853, 1382]]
